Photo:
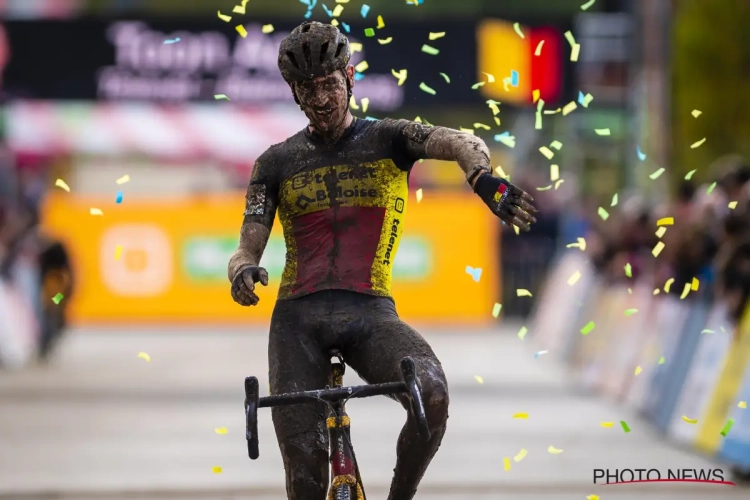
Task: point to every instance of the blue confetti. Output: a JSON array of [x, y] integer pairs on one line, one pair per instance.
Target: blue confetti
[[514, 78], [365, 9], [358, 76], [306, 2], [641, 156], [370, 118], [328, 11], [119, 197], [308, 14], [167, 42], [580, 98], [504, 134], [475, 274], [539, 353], [346, 27]]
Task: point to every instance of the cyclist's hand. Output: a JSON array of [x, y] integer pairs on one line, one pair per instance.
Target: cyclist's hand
[[243, 285], [510, 203]]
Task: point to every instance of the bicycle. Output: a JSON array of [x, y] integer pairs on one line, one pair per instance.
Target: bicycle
[[346, 483]]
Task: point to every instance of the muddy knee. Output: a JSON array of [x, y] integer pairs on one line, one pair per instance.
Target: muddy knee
[[435, 397]]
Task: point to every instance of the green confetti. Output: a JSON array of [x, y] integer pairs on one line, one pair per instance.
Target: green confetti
[[707, 330], [614, 200], [661, 360], [477, 85], [727, 427], [369, 32], [424, 88], [587, 329], [603, 213], [522, 332], [690, 174], [624, 425], [496, 310], [430, 50], [57, 298], [710, 188], [630, 312], [628, 270], [447, 78], [656, 174]]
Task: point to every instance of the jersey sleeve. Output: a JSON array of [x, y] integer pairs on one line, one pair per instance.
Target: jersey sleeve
[[262, 197], [409, 139]]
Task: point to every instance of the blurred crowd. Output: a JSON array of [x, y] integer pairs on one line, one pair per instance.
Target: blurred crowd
[[33, 268], [709, 239]]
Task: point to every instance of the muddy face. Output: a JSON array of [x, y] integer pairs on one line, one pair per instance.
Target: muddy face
[[325, 102]]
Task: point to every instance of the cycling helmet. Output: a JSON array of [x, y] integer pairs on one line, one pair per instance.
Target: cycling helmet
[[311, 50]]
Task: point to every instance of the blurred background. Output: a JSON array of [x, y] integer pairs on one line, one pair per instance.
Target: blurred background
[[128, 134]]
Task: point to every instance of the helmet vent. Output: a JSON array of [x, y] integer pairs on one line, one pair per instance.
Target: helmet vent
[[290, 56], [307, 53], [339, 49], [323, 51]]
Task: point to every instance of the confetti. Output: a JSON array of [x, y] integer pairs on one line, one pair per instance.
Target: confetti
[[707, 330], [710, 188], [517, 28], [169, 42], [478, 84], [535, 94], [587, 4], [690, 174], [241, 30], [522, 332], [216, 469], [587, 100], [661, 360], [240, 9], [570, 38], [628, 270], [381, 23], [614, 201], [607, 424], [479, 379], [506, 462], [435, 36], [337, 10], [220, 430], [588, 328], [144, 356], [346, 27], [539, 353], [538, 115], [689, 420], [522, 292], [569, 108], [742, 404], [521, 455], [630, 312], [575, 51], [665, 221], [507, 139], [481, 125], [369, 32], [513, 78], [365, 104], [423, 87], [656, 174], [419, 195], [641, 156], [364, 10], [657, 249], [554, 172], [476, 274], [545, 188], [58, 298], [361, 67], [496, 309], [266, 29], [727, 427], [556, 144], [668, 284], [427, 49], [546, 152], [637, 370], [447, 78], [221, 96], [696, 113], [500, 171], [732, 205], [698, 143], [574, 278], [553, 450], [603, 213], [602, 131], [538, 50], [625, 426], [592, 497], [62, 185], [521, 415], [118, 252], [401, 75], [224, 17], [695, 284], [96, 211], [656, 291], [660, 232], [118, 197], [685, 291], [123, 179], [355, 47]]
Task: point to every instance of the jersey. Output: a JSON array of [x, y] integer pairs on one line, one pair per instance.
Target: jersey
[[341, 206]]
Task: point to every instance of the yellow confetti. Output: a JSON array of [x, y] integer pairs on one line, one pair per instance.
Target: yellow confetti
[[62, 185], [266, 29], [355, 47], [224, 17], [521, 415], [521, 455], [575, 51], [656, 291], [522, 332], [361, 67], [545, 188], [424, 88], [522, 292], [588, 328], [385, 40], [506, 462], [685, 291], [569, 108], [587, 4], [334, 22], [241, 30], [419, 195], [696, 113], [381, 23], [144, 356], [689, 420], [603, 213], [490, 78], [689, 175], [592, 497], [570, 38], [482, 126], [401, 75], [353, 103], [517, 28], [574, 278], [477, 85], [556, 144], [656, 174], [695, 284], [546, 152], [535, 94], [430, 50], [614, 200], [216, 469], [668, 285], [466, 130], [220, 430], [732, 205], [637, 370], [607, 424], [435, 35], [602, 131], [123, 179], [496, 309], [742, 404], [240, 9], [666, 221], [657, 249], [500, 171], [118, 252], [553, 450], [698, 144], [365, 103], [660, 232], [554, 172], [587, 100], [96, 211], [338, 10], [479, 379], [342, 1], [538, 49]]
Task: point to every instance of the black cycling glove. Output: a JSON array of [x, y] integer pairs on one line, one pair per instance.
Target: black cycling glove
[[510, 203], [243, 285]]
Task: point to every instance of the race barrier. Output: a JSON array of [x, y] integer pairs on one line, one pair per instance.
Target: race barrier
[[671, 359], [165, 260]]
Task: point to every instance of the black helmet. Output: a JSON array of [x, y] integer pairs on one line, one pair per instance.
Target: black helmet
[[311, 50]]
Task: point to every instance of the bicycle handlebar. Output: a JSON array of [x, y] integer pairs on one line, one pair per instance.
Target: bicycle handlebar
[[334, 394]]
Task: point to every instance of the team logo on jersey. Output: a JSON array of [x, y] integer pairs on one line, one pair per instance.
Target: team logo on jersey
[[399, 205]]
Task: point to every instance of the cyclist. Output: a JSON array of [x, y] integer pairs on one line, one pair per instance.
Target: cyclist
[[340, 189]]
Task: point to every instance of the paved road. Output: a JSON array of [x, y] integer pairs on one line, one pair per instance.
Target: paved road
[[100, 424]]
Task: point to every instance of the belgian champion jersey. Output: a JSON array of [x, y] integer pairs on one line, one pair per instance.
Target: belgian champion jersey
[[341, 206]]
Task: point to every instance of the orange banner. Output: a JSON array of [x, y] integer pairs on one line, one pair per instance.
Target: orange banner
[[158, 261]]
